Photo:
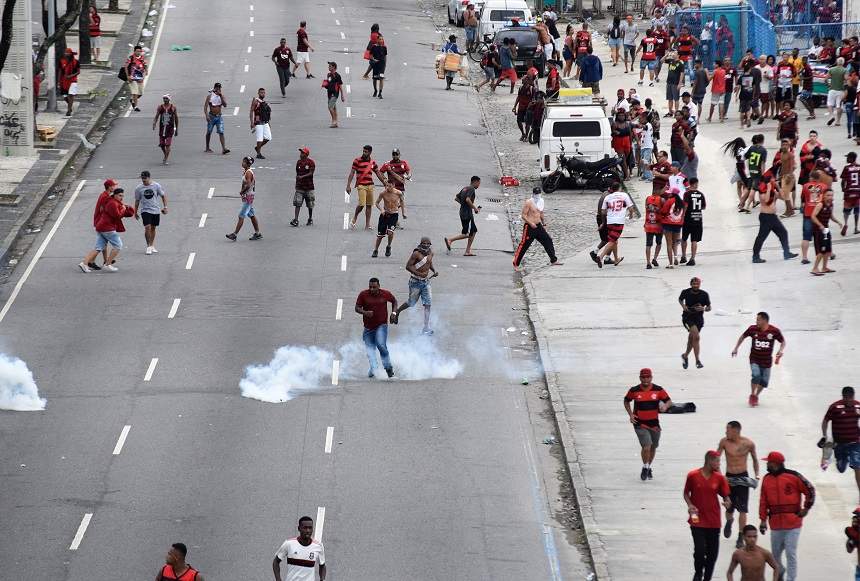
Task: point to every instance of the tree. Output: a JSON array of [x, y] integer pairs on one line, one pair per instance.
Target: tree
[[84, 47], [63, 24], [6, 31], [113, 5]]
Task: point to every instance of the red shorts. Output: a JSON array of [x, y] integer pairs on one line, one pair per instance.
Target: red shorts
[[613, 231], [165, 141], [622, 145], [508, 74], [764, 97]]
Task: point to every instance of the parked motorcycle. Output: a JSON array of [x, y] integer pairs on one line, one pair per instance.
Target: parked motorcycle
[[596, 175]]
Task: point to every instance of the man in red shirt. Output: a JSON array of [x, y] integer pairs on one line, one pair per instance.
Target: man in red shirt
[[110, 184], [305, 168], [845, 416], [303, 50], [69, 69], [701, 490], [648, 46], [763, 336], [810, 195], [653, 229], [372, 305], [718, 91], [648, 401], [363, 170], [661, 45], [661, 171], [108, 225], [850, 179], [398, 171]]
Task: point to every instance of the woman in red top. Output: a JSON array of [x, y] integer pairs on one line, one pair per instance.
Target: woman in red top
[[374, 38], [95, 33], [672, 219]]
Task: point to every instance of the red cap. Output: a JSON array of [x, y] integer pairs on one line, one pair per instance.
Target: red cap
[[644, 372], [70, 51], [775, 457], [712, 454], [110, 182], [305, 150]]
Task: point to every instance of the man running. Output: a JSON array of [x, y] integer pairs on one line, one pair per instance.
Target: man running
[[303, 50], [850, 180], [301, 553], [260, 114], [701, 491], [167, 119], [282, 56], [175, 568], [694, 304], [305, 168], [466, 199], [390, 198], [751, 558], [649, 399], [398, 173], [763, 335], [372, 305], [533, 229], [694, 202], [149, 204], [420, 266], [212, 115], [363, 169], [247, 193], [737, 449], [333, 84], [648, 46], [617, 207], [768, 221], [845, 415]]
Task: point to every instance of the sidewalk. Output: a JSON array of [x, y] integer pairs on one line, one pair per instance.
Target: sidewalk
[[597, 328]]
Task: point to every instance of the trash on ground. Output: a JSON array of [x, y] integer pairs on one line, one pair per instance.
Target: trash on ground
[[179, 47], [508, 181], [550, 440]]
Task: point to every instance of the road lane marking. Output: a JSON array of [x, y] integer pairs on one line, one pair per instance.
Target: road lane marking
[[235, 111], [342, 36], [346, 70], [85, 522], [319, 524], [242, 89], [343, 263], [345, 50], [202, 220], [173, 308], [349, 111], [246, 68], [121, 441], [251, 33], [29, 270], [332, 10], [346, 198], [329, 436], [346, 221], [151, 369], [190, 260], [155, 46], [211, 193], [250, 48], [335, 371], [338, 312], [348, 89], [337, 22], [251, 19], [251, 7]]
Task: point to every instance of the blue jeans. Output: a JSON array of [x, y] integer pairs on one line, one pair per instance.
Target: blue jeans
[[760, 375], [645, 155], [377, 339], [785, 540], [690, 71], [850, 114], [105, 238]]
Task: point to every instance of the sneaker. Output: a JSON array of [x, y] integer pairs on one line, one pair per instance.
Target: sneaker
[[804, 261], [111, 268], [388, 251], [789, 256], [375, 93], [683, 260], [650, 475], [256, 236], [651, 84], [148, 250], [686, 361], [311, 77], [427, 331], [154, 249], [94, 266], [261, 156], [643, 475], [739, 543], [592, 254], [231, 236], [727, 528], [389, 371], [691, 262], [845, 229], [310, 222], [294, 222], [639, 83], [375, 254], [757, 260], [84, 268], [699, 365], [654, 262], [830, 121], [371, 374], [751, 400], [648, 266]]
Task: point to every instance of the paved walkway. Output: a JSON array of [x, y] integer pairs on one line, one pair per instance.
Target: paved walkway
[[597, 328]]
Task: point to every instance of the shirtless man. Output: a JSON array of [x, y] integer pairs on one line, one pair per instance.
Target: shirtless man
[[420, 266], [212, 115], [391, 197], [787, 182], [751, 559], [737, 448]]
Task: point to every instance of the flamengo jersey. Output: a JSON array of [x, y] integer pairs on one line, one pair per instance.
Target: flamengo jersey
[[301, 559], [851, 180], [616, 205]]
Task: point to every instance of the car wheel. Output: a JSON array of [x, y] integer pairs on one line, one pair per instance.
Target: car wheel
[[450, 20], [460, 22]]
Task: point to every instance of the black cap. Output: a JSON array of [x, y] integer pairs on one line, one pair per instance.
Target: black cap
[[332, 64], [368, 147], [851, 155]]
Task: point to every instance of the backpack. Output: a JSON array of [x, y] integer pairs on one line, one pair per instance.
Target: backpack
[[485, 60], [123, 74], [264, 111]]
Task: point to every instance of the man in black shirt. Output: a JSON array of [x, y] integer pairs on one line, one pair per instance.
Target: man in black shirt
[[756, 156], [694, 302], [746, 93], [334, 88], [694, 203], [466, 199], [282, 56]]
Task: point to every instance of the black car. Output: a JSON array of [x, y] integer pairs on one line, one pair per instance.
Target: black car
[[529, 49]]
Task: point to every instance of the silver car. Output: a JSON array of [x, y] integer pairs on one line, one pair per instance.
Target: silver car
[[456, 9]]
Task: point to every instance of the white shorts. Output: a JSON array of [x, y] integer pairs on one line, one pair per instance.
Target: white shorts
[[547, 50], [834, 98], [303, 57], [73, 89], [262, 132], [95, 42], [717, 98]]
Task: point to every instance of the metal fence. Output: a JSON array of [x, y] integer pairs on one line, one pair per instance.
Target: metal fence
[[800, 35]]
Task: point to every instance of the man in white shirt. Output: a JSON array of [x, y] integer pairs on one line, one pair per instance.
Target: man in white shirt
[[301, 554], [616, 208]]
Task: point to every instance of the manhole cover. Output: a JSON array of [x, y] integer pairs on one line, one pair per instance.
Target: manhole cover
[[9, 199], [495, 200]]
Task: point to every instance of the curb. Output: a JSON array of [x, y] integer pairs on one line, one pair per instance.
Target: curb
[[46, 173]]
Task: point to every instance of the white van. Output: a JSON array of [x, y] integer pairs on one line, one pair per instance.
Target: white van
[[582, 129], [497, 14]]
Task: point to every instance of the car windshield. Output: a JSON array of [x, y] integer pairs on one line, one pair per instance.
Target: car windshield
[[502, 15], [576, 129], [524, 37]]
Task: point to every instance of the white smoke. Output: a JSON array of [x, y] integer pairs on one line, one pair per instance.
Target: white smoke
[[18, 391], [414, 357], [292, 371]]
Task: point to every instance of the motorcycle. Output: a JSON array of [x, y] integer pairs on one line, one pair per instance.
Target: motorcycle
[[584, 174]]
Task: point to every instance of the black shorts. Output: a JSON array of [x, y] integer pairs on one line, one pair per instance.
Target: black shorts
[[753, 182], [521, 116], [823, 242], [693, 320], [692, 230], [150, 219], [652, 238], [739, 495], [469, 227], [387, 223], [746, 105]]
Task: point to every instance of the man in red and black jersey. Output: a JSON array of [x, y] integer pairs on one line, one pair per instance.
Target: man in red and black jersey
[[787, 123], [649, 400], [845, 417], [763, 336], [398, 171], [850, 178], [648, 47], [686, 44], [662, 40]]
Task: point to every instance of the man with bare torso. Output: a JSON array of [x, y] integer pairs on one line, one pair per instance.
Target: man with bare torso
[[737, 448], [391, 197], [420, 266], [751, 559]]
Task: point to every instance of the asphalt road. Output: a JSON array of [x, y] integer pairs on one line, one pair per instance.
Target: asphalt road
[[433, 479]]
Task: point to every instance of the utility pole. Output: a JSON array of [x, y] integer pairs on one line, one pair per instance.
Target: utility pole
[[16, 87], [51, 69]]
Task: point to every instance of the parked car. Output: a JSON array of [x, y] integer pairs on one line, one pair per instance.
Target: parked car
[[456, 9], [529, 50], [498, 14]]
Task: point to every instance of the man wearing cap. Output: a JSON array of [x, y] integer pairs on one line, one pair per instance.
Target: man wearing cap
[[845, 417], [108, 226], [398, 171], [149, 204], [649, 400], [110, 184], [305, 168], [135, 71], [533, 229], [701, 490], [167, 118], [780, 507], [69, 69], [212, 115]]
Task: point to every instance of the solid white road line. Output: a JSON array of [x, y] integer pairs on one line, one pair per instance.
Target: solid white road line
[[338, 312], [346, 221], [346, 198], [348, 89], [343, 263], [345, 50], [335, 371], [151, 369], [250, 48], [154, 52], [349, 111], [85, 522], [190, 260], [251, 33], [235, 111], [211, 193], [29, 270], [329, 436], [319, 524], [342, 36], [337, 22], [202, 220], [121, 441], [246, 68], [173, 308], [242, 89]]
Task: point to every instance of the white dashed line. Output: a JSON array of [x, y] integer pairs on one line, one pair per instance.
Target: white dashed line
[[335, 371], [348, 89], [251, 19], [346, 70], [338, 311], [190, 260], [246, 68], [332, 10], [329, 436], [343, 263], [319, 525], [211, 193], [202, 220], [235, 111], [250, 48], [349, 111], [337, 22], [346, 221], [242, 88], [251, 7], [85, 522], [121, 441], [345, 50], [173, 308], [342, 36], [251, 33], [151, 369]]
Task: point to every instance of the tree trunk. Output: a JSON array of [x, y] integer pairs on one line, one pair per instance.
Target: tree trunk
[[84, 47], [58, 39], [6, 31], [113, 5]]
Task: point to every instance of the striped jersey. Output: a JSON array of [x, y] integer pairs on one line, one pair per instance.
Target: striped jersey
[[300, 559], [646, 404]]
